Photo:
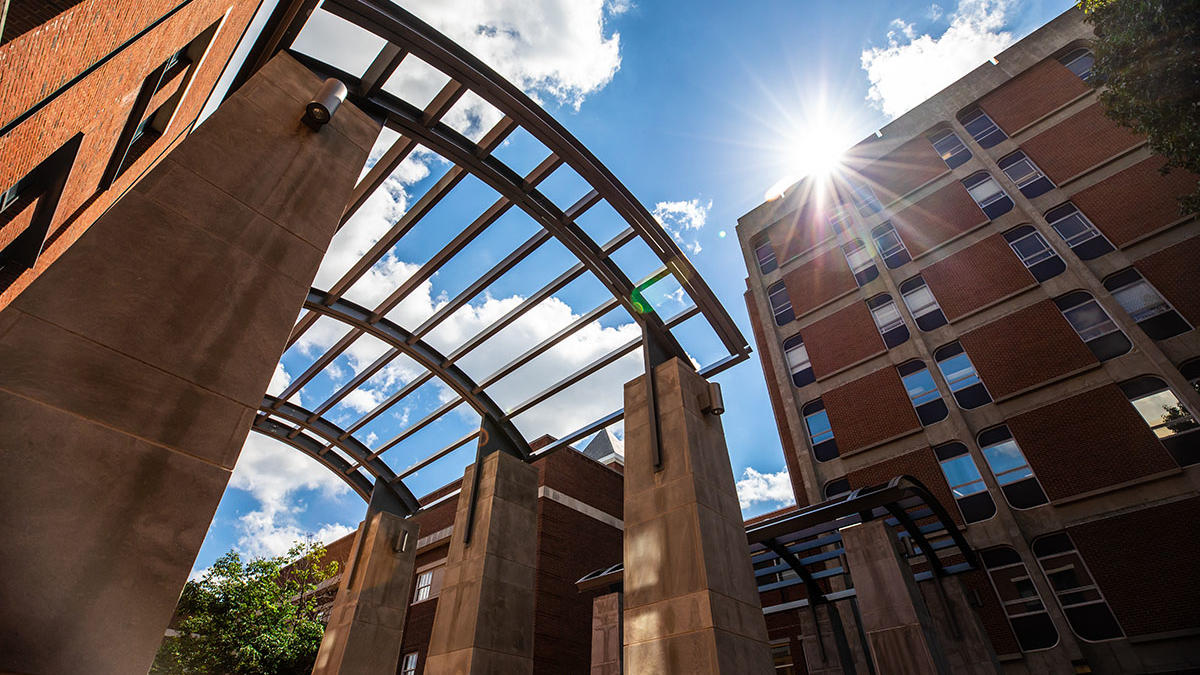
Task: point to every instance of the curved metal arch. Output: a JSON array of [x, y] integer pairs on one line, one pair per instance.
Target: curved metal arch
[[316, 450]]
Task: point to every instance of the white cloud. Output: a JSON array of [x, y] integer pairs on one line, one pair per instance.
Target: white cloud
[[774, 489], [682, 219], [912, 68]]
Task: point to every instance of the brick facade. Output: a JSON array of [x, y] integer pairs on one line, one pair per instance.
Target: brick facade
[[870, 410], [1032, 95], [904, 169], [1173, 271], [1079, 143], [976, 277], [938, 218], [846, 337], [819, 280], [1136, 201], [799, 232]]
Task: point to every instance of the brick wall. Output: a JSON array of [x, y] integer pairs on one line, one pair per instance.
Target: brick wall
[[1079, 143], [904, 169], [584, 479], [418, 628], [845, 337], [920, 464], [799, 232], [991, 613], [870, 410], [976, 277], [1031, 95], [1087, 442], [1025, 348], [25, 15], [819, 280], [936, 219], [1135, 201], [1173, 271], [1145, 564]]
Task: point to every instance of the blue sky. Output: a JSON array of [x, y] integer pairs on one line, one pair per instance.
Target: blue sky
[[699, 108]]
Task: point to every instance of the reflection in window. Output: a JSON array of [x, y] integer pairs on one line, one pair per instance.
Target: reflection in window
[[1035, 254], [1029, 179], [1086, 609], [1093, 325], [965, 481], [981, 127], [888, 320], [781, 303], [921, 304], [861, 262], [1078, 232], [923, 392], [1079, 62], [1170, 420], [820, 433], [988, 194], [409, 665], [1011, 469], [950, 147], [1022, 604], [1149, 309], [960, 376], [764, 253], [890, 246], [798, 363]]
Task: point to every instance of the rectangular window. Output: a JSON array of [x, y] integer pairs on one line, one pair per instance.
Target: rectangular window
[[1077, 593], [1145, 305], [1093, 325], [781, 656], [1032, 248], [858, 256], [839, 219], [1079, 62], [820, 432], [1011, 469], [409, 664], [1029, 179], [923, 392], [1090, 320], [986, 192], [798, 363], [781, 304], [765, 254], [1019, 596], [950, 148], [34, 200], [960, 376], [890, 246], [965, 481], [921, 304], [1078, 232], [865, 199], [982, 128], [1167, 416], [424, 586]]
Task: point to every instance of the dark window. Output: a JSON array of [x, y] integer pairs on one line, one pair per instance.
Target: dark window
[[838, 486], [923, 392], [1078, 232], [781, 304], [965, 481], [797, 359], [950, 147], [1011, 469], [861, 263], [1086, 609], [1029, 179], [1167, 416], [1093, 325], [864, 198], [1022, 604], [888, 320], [764, 253], [1150, 310], [988, 194], [781, 656], [1191, 372], [921, 304], [1031, 247], [960, 376], [1080, 62], [37, 193], [890, 246], [981, 127], [820, 433]]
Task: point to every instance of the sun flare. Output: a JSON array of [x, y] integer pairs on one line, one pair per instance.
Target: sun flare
[[814, 148]]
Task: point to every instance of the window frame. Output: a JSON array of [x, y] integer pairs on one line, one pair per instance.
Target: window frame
[[1088, 248], [1041, 559], [1048, 266], [824, 447], [930, 411], [761, 241], [1034, 184], [895, 332], [954, 350], [1184, 445], [864, 198], [40, 189], [955, 451], [908, 288], [990, 135], [1163, 324], [784, 309], [804, 376], [956, 157], [1078, 53], [409, 662], [1106, 345], [992, 206], [423, 591], [994, 560], [895, 256], [1023, 492], [867, 271]]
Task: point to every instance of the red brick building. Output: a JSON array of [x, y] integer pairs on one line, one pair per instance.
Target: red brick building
[[997, 294]]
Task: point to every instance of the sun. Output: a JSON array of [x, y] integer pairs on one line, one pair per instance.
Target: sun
[[813, 148]]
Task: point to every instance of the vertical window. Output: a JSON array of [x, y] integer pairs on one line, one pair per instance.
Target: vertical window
[[861, 263], [424, 586], [965, 481], [960, 376], [1011, 469], [988, 194], [921, 304], [1149, 309], [890, 246], [1037, 256], [1029, 179], [797, 359], [781, 304], [409, 664], [864, 198], [1082, 603], [836, 487], [31, 202], [888, 320], [1022, 604], [1093, 325], [1080, 62], [1167, 417], [820, 433], [1078, 232], [951, 148], [981, 127], [764, 253], [923, 392]]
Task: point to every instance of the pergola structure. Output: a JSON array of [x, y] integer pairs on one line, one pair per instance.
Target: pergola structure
[[346, 451]]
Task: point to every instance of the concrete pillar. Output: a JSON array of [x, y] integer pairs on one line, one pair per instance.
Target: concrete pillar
[[366, 625], [484, 619], [130, 372], [691, 604], [606, 635], [894, 617]]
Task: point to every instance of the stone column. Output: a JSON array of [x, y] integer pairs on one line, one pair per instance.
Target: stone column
[[894, 616], [130, 372], [691, 604], [484, 619], [606, 634], [366, 625]]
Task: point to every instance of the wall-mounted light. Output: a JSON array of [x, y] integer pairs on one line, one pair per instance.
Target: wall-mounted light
[[324, 104], [716, 403]]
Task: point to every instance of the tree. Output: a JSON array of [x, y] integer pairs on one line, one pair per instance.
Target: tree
[[250, 617], [1148, 61]]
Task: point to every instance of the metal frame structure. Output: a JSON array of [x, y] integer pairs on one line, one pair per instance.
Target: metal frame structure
[[406, 36]]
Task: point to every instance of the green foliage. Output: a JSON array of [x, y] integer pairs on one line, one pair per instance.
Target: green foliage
[[1148, 61], [250, 617]]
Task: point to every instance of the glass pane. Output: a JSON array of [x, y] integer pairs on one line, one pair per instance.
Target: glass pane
[[979, 126], [1140, 300], [984, 193], [888, 242], [1082, 65], [797, 357], [958, 371], [1032, 249], [948, 145], [1022, 172], [1075, 229], [920, 301], [963, 476], [921, 387], [887, 317], [1090, 320], [1007, 462], [818, 427], [1165, 414], [859, 258]]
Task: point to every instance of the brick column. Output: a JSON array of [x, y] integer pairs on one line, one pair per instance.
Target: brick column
[[691, 604], [484, 619], [130, 372]]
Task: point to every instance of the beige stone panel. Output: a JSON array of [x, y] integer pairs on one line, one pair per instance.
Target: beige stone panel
[[688, 653]]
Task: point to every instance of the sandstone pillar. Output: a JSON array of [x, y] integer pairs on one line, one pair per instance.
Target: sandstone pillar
[[130, 372], [484, 620], [691, 604]]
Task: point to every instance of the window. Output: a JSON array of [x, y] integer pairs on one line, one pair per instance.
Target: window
[[965, 481], [960, 376], [1167, 416], [764, 253], [951, 148], [409, 664], [781, 656], [1082, 603], [1022, 604], [988, 194], [861, 263], [781, 304], [424, 586], [1149, 309], [981, 127], [890, 246], [820, 433], [888, 320], [1029, 179], [1191, 372], [798, 364], [1011, 469], [36, 194], [836, 488], [1078, 232], [1080, 62], [923, 392], [839, 219], [864, 198], [1093, 325], [921, 304], [1037, 256]]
